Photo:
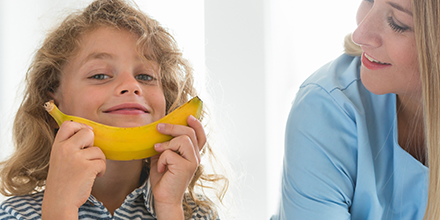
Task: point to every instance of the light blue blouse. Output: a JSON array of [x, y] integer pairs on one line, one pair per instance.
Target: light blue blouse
[[342, 159]]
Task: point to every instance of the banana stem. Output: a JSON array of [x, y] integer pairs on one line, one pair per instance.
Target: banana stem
[[51, 108]]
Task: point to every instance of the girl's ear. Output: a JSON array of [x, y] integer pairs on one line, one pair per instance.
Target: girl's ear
[[53, 96]]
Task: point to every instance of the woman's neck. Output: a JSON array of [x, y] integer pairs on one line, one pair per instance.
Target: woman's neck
[[410, 126], [119, 180]]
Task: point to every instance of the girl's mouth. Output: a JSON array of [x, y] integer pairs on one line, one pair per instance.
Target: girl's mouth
[[128, 109]]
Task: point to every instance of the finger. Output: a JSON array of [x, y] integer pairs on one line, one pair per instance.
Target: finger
[[68, 129], [99, 167], [82, 139], [200, 131], [182, 145], [97, 159], [93, 153], [178, 130], [169, 160]]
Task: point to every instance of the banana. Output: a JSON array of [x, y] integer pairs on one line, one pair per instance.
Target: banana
[[131, 143]]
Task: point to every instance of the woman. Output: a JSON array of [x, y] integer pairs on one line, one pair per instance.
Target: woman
[[356, 143]]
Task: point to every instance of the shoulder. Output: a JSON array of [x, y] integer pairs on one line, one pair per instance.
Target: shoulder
[[337, 74], [336, 90], [23, 207], [199, 212]]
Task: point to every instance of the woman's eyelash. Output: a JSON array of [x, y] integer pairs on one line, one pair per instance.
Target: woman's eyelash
[[395, 27]]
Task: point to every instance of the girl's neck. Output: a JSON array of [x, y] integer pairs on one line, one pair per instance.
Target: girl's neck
[[119, 180], [410, 126]]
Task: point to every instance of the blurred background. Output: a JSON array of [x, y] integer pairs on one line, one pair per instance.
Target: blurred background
[[250, 57]]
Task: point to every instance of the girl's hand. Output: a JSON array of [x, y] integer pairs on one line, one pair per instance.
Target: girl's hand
[[172, 170], [74, 165]]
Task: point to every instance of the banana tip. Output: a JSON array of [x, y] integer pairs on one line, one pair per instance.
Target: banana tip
[[49, 106]]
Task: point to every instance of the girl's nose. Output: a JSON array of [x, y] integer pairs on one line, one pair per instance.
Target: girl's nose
[[128, 85], [368, 31]]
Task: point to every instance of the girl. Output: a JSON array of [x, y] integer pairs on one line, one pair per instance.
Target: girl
[[364, 129], [112, 64]]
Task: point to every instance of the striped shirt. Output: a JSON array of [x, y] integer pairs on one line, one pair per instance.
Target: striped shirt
[[138, 205]]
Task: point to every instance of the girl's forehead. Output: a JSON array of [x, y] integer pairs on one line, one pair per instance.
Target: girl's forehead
[[102, 39]]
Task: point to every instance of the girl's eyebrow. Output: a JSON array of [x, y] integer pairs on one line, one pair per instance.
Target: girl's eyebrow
[[98, 55], [400, 8]]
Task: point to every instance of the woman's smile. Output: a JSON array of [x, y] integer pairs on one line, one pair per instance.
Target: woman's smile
[[373, 64]]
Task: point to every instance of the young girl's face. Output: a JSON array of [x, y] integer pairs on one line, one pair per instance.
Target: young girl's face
[[386, 34], [108, 82]]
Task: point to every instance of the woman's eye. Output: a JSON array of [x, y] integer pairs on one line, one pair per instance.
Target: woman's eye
[[99, 76], [145, 77], [397, 28]]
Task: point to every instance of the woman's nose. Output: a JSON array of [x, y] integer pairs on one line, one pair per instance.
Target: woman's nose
[[369, 29], [128, 85]]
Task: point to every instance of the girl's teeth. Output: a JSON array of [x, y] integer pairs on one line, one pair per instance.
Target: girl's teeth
[[373, 60]]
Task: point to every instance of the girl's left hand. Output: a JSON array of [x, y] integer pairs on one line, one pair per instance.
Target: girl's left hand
[[172, 169]]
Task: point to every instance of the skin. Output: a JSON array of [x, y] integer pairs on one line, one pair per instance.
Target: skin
[[104, 73], [386, 33]]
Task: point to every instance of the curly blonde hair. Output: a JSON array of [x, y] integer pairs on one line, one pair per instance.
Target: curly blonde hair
[[25, 172]]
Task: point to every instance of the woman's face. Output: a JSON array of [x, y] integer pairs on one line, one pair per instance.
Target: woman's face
[[386, 34]]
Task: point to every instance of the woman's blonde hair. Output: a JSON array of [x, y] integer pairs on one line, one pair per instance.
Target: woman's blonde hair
[[427, 24], [426, 14], [26, 170], [350, 47]]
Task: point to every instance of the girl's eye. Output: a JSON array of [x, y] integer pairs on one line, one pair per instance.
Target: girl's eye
[[397, 28], [145, 77], [99, 76]]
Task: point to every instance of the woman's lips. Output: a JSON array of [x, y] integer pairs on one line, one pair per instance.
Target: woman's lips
[[127, 109], [372, 64]]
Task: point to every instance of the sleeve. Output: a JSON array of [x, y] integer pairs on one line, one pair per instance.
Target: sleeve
[[4, 215], [319, 169]]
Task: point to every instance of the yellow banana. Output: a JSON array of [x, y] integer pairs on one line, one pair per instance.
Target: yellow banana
[[131, 143]]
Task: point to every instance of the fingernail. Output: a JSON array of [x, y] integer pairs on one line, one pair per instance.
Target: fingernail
[[160, 126], [157, 146], [193, 118], [90, 127]]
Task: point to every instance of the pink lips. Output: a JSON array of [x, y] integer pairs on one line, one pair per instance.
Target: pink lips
[[128, 109]]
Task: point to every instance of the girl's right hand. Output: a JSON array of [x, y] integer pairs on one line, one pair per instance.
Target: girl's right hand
[[74, 165]]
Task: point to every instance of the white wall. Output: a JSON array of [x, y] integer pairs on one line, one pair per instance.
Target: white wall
[[301, 37], [235, 60], [257, 54], [253, 53]]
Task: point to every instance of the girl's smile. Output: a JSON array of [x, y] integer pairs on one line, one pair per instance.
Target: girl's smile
[[128, 109]]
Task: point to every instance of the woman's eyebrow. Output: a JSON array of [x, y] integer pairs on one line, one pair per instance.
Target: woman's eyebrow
[[400, 8]]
